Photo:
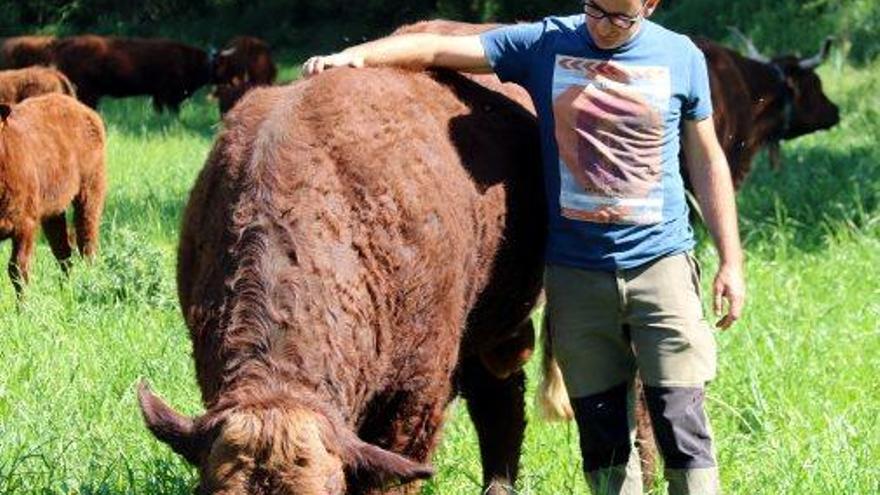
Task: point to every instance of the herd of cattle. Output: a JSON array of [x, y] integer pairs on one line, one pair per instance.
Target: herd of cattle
[[360, 247], [99, 66]]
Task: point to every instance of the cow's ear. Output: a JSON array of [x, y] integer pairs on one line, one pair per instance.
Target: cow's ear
[[384, 465], [5, 111], [171, 427]]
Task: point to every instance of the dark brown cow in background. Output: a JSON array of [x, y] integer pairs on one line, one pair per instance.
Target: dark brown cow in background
[[23, 51], [18, 84], [759, 101], [100, 66], [243, 64], [51, 156]]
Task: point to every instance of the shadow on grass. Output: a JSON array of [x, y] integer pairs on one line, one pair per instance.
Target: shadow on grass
[[153, 209], [820, 192], [135, 116]]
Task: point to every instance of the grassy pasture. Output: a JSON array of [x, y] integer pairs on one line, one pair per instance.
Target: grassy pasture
[[794, 407]]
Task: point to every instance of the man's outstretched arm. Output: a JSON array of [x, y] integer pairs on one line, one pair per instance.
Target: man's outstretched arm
[[414, 50]]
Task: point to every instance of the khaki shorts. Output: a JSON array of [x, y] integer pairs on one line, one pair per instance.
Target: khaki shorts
[[607, 325]]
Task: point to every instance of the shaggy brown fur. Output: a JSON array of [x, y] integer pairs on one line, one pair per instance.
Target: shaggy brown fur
[[245, 63], [16, 85], [749, 101], [23, 51], [345, 236], [101, 66], [51, 155]]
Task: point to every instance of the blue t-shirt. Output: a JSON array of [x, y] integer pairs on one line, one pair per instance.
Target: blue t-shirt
[[609, 123]]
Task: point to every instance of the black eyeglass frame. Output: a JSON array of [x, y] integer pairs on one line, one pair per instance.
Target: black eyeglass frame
[[622, 21]]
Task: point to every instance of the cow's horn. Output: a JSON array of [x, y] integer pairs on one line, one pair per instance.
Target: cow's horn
[[816, 60], [753, 52], [169, 426]]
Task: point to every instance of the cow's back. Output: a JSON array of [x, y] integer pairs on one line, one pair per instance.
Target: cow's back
[[24, 51], [122, 67]]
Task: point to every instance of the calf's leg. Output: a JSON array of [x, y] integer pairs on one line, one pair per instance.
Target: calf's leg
[[87, 207], [55, 229], [23, 243]]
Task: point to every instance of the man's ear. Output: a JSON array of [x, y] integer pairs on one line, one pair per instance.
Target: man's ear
[[5, 111], [650, 7]]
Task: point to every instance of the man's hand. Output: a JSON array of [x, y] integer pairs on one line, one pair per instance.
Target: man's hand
[[730, 285], [317, 64]]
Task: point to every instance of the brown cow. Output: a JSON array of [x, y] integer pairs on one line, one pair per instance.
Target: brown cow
[[100, 66], [51, 155], [24, 51], [245, 63], [346, 234], [18, 84], [759, 101]]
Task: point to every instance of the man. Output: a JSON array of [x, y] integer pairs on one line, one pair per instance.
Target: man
[[612, 91]]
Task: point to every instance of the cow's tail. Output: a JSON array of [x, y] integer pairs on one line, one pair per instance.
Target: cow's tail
[[66, 85], [553, 400]]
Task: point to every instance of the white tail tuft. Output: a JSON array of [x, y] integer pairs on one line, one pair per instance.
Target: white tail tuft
[[552, 400]]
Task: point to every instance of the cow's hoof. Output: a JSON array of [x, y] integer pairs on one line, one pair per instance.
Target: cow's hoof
[[499, 487]]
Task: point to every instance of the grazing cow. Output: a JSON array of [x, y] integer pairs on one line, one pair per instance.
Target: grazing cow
[[51, 155], [24, 51], [120, 67], [245, 63], [346, 235], [760, 101], [18, 84]]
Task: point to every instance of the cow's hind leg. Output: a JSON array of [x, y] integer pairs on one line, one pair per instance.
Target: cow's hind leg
[[55, 229], [87, 207]]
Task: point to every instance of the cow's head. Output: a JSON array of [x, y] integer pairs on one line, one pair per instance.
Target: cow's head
[[227, 67], [811, 110], [273, 447], [806, 107]]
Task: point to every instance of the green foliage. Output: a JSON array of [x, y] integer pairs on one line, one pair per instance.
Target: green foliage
[[779, 26]]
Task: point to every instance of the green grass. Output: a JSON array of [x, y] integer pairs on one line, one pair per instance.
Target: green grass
[[794, 407]]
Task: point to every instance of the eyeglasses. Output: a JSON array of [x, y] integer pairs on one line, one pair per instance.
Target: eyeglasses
[[622, 21]]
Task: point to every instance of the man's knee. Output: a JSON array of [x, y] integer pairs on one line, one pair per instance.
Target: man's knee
[[680, 426], [603, 425]]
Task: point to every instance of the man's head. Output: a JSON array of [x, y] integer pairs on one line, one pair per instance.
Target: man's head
[[613, 22]]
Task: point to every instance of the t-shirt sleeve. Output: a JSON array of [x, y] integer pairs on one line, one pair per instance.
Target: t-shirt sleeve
[[510, 50], [699, 97]]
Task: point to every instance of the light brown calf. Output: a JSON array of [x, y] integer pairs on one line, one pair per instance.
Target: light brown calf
[[51, 156]]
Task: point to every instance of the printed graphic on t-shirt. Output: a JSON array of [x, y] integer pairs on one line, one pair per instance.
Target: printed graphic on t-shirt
[[609, 129]]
